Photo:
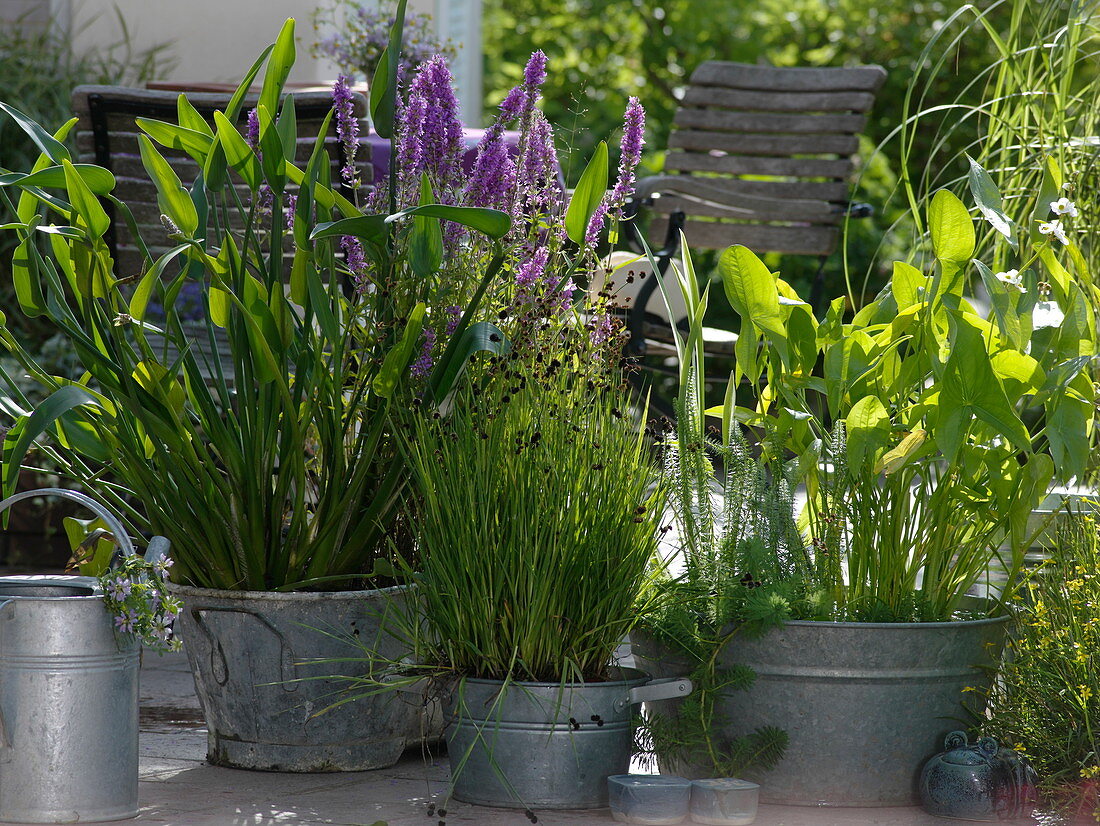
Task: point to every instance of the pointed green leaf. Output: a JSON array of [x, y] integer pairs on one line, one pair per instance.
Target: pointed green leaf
[[590, 191], [479, 337], [953, 237], [99, 180], [18, 440], [271, 151], [381, 105], [85, 202], [139, 301], [172, 199], [237, 152], [988, 199], [25, 276], [490, 222], [365, 227], [907, 285], [426, 238], [50, 146], [288, 128], [195, 144], [397, 360], [278, 67], [189, 118], [751, 289]]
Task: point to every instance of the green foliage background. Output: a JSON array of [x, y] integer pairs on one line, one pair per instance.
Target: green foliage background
[[602, 51]]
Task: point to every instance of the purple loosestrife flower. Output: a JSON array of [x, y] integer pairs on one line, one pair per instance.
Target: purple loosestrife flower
[[631, 151], [511, 107], [595, 224], [432, 130], [423, 365], [493, 178], [533, 270], [534, 73], [601, 329], [355, 260], [347, 128], [252, 130], [543, 190], [454, 314]]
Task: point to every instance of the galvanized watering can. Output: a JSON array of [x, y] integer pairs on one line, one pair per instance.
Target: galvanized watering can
[[68, 695]]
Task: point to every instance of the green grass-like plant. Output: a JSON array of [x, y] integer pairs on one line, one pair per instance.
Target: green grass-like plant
[[538, 513]]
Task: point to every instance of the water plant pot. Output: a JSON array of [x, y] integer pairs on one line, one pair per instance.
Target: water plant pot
[[257, 661], [545, 745], [864, 704]]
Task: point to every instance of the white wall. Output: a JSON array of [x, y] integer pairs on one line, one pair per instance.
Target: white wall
[[217, 40]]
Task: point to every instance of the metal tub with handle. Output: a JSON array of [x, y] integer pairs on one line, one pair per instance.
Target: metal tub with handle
[[68, 695]]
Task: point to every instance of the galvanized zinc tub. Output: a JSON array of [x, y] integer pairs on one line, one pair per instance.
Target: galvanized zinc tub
[[68, 704], [545, 745], [256, 659], [864, 704]]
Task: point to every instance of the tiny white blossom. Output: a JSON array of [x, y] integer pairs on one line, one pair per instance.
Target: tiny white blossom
[[1064, 206], [1012, 278], [1054, 228]]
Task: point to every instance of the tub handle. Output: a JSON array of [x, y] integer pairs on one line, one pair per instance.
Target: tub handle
[[663, 689], [6, 751]]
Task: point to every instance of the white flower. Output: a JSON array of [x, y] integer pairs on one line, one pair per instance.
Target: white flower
[[1064, 206], [1054, 228], [1012, 278], [1047, 314]]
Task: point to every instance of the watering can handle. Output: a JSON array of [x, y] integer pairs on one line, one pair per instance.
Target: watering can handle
[[665, 689], [122, 539]]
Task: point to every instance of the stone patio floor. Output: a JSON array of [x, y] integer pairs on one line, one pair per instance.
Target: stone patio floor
[[178, 788]]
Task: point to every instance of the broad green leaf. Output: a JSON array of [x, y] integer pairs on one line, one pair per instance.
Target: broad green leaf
[[1019, 371], [278, 67], [907, 285], [172, 199], [1068, 431], [365, 227], [868, 429], [426, 238], [988, 199], [237, 152], [479, 337], [491, 222], [189, 118], [26, 278], [28, 200], [195, 144], [99, 180], [288, 128], [161, 385], [321, 304], [751, 289], [397, 359], [896, 458], [381, 104], [47, 144], [20, 437], [971, 390], [953, 237], [272, 161], [587, 196], [85, 203]]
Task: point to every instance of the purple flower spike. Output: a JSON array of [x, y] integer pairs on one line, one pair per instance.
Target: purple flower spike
[[423, 365], [431, 131], [531, 273], [595, 225], [512, 106], [534, 73], [631, 147], [454, 313], [493, 178], [347, 128], [252, 130]]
